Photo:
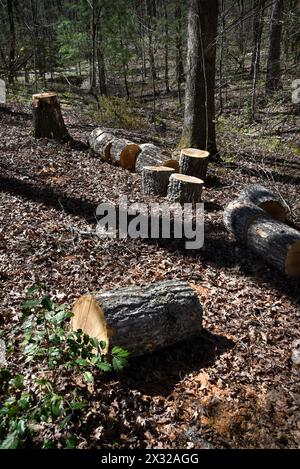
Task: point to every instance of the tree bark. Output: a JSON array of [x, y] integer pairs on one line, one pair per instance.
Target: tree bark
[[151, 317], [156, 180], [273, 81], [258, 24], [150, 155], [12, 46], [184, 189], [47, 117], [199, 118], [101, 142], [194, 162], [124, 153], [265, 199], [274, 242]]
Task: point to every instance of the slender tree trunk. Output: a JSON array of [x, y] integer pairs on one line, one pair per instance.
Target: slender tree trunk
[[199, 118], [258, 24], [221, 48], [12, 46], [94, 37], [167, 81], [179, 60], [273, 81]]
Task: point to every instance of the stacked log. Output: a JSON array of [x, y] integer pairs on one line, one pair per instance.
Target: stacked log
[[48, 121], [144, 318], [194, 162], [265, 199], [276, 243], [184, 189], [156, 180], [124, 153]]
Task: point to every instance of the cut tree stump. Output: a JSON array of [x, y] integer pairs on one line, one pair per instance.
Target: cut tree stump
[[150, 155], [102, 145], [184, 189], [276, 243], [156, 180], [47, 117], [265, 199], [194, 162], [124, 153], [144, 318]]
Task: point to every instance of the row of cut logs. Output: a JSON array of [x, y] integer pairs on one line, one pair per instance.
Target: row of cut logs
[[256, 219]]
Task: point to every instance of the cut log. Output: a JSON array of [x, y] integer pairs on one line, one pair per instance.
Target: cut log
[[47, 117], [154, 316], [94, 135], [194, 162], [184, 189], [156, 180], [172, 164], [150, 155], [103, 145], [124, 153], [271, 240], [265, 199]]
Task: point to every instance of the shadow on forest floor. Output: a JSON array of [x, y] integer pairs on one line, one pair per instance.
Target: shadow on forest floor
[[159, 372]]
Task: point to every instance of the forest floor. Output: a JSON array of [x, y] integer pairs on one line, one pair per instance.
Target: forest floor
[[233, 387]]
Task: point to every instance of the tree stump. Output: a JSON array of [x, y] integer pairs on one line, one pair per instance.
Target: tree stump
[[194, 162], [102, 145], [156, 180], [47, 117], [150, 155], [184, 189], [124, 153], [271, 240], [145, 318], [265, 199]]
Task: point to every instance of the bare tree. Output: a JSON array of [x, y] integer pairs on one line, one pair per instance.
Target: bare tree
[[273, 81]]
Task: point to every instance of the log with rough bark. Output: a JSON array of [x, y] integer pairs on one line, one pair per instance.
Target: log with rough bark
[[184, 189], [265, 199], [124, 153], [102, 145], [144, 318], [150, 155], [276, 243], [94, 135], [47, 117], [194, 162], [156, 180]]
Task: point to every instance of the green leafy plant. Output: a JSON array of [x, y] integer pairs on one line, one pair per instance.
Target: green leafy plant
[[59, 371]]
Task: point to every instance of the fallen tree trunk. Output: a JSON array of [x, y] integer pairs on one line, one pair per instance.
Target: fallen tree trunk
[[184, 189], [271, 240], [265, 199], [102, 146], [194, 162], [93, 137], [124, 153], [150, 155], [144, 318], [156, 180], [47, 118]]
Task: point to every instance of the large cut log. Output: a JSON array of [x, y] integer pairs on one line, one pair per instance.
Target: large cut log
[[276, 243], [156, 180], [124, 153], [103, 145], [150, 155], [194, 162], [47, 117], [172, 164], [145, 318], [184, 189], [94, 135], [265, 199]]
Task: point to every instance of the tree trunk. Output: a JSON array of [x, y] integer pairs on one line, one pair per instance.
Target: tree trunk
[[12, 46], [199, 118], [156, 180], [265, 199], [184, 189], [47, 117], [166, 19], [258, 24], [194, 162], [180, 77], [150, 155], [273, 81], [270, 240], [151, 317], [101, 143]]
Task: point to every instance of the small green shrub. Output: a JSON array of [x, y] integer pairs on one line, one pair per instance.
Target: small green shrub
[[58, 370], [118, 112]]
